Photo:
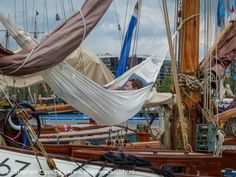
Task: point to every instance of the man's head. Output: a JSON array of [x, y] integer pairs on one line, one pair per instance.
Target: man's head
[[133, 84]]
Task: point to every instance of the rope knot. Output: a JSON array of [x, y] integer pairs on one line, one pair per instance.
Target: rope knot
[[189, 81]]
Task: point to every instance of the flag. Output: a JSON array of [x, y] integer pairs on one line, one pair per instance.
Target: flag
[[221, 13], [232, 9], [124, 56]]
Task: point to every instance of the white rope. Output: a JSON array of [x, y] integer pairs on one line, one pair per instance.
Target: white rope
[[27, 58], [85, 30], [219, 143], [85, 26], [118, 23]]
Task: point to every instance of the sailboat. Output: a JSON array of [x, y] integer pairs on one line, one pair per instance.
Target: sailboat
[[30, 163], [188, 163]]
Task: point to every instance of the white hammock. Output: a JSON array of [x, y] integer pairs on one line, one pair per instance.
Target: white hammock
[[104, 105]]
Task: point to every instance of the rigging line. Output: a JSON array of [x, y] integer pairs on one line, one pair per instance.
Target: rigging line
[[63, 9], [56, 6], [6, 95], [23, 13], [205, 54], [135, 45], [43, 16], [137, 28], [26, 15], [126, 12], [70, 11], [85, 30], [32, 29], [57, 13], [46, 13], [208, 46], [70, 7], [15, 10], [118, 24], [175, 23], [85, 25], [178, 94], [33, 149]]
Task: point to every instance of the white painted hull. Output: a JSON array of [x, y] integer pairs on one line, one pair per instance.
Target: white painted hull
[[11, 162]]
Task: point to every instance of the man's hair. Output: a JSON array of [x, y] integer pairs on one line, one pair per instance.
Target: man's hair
[[136, 83]]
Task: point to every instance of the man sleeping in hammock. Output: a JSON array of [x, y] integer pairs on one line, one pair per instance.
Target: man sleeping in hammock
[[132, 84]]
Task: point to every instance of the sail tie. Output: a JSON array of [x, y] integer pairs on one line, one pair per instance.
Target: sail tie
[[27, 58]]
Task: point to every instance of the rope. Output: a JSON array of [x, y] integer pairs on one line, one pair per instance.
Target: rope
[[85, 26], [71, 6], [126, 12], [80, 53], [174, 69], [27, 58], [81, 167], [6, 95], [63, 9], [189, 81], [186, 20], [135, 45], [23, 115], [129, 162], [46, 14], [118, 24], [219, 143], [149, 126], [206, 113]]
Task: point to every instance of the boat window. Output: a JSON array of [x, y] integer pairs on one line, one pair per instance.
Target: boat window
[[175, 169]]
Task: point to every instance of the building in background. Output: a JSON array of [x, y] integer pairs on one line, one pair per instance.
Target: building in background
[[111, 62]]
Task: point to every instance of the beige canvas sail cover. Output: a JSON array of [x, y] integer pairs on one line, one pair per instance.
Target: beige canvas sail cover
[[88, 63], [58, 44]]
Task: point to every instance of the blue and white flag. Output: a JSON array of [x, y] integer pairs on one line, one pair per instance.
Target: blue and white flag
[[124, 56], [221, 14]]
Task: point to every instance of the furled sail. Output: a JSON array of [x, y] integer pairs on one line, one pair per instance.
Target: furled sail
[[81, 59], [223, 51], [52, 50]]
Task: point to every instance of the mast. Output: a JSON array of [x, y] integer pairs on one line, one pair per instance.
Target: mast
[[189, 55], [189, 47]]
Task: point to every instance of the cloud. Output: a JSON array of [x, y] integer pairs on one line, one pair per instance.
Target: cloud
[[105, 38]]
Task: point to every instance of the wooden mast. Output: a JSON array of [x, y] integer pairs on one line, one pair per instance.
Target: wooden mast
[[189, 61], [189, 48]]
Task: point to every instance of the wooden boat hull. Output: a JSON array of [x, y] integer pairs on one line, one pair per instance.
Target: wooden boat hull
[[94, 134], [183, 163], [15, 162]]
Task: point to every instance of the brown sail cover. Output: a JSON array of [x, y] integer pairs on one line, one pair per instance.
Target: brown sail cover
[[224, 53], [4, 52], [58, 44]]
